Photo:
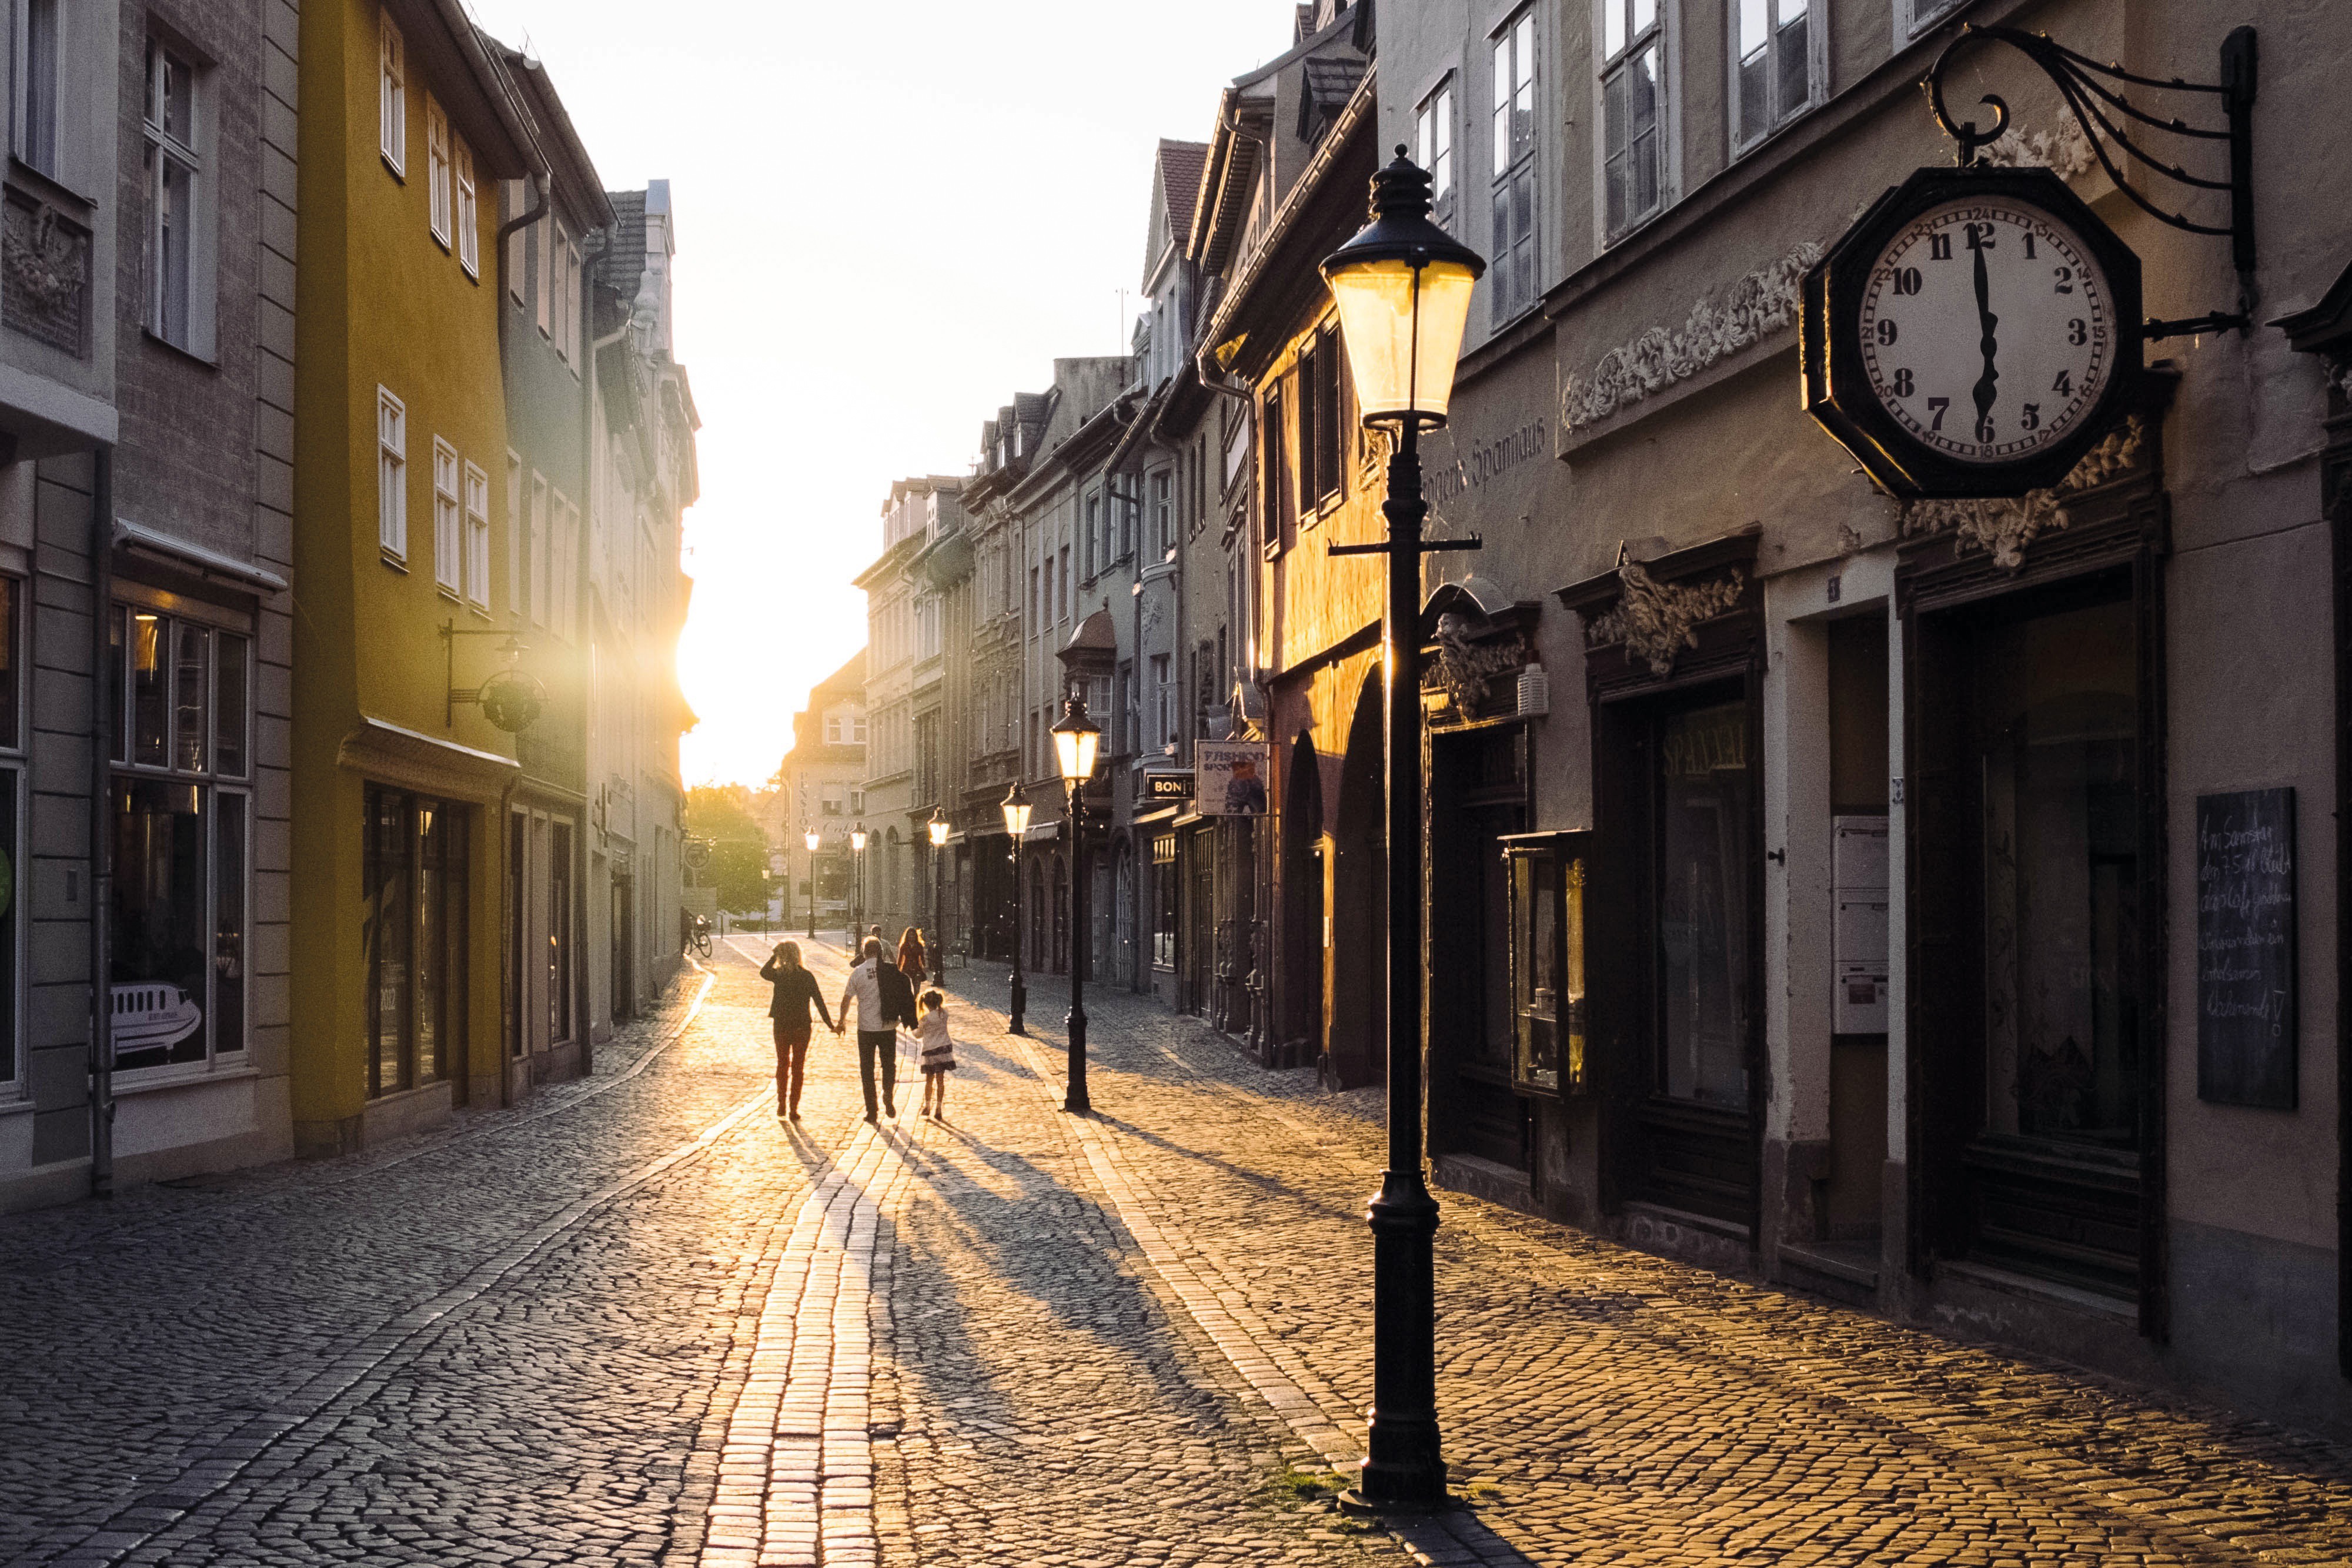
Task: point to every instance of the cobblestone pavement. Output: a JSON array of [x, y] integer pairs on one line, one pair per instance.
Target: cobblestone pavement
[[1603, 1406], [637, 1321]]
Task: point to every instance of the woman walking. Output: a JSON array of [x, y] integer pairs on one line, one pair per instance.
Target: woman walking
[[912, 959], [788, 1012]]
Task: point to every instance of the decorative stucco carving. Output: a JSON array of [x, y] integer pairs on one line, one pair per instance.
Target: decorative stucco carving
[[1657, 621], [1469, 660], [1756, 306], [44, 274], [2064, 149], [2003, 525]]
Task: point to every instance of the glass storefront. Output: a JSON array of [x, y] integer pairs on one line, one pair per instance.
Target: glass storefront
[[1704, 800], [414, 926], [182, 815]]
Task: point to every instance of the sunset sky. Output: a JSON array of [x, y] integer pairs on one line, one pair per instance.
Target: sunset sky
[[884, 232]]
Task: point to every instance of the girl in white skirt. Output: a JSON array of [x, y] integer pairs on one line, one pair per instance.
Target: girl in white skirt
[[937, 1054]]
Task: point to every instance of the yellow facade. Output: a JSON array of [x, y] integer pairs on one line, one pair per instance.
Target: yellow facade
[[386, 306]]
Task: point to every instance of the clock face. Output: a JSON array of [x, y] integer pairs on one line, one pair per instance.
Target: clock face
[[1988, 330]]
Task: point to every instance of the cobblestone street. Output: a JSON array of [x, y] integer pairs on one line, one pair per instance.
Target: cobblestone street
[[637, 1321]]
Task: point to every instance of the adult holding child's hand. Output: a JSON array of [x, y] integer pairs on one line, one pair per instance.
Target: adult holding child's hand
[[788, 1014]]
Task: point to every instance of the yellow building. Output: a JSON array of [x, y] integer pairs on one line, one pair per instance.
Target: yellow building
[[400, 523]]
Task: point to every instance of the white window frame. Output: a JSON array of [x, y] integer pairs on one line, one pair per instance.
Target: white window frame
[[391, 476], [37, 122], [447, 532], [1434, 132], [468, 213], [1778, 116], [517, 244], [514, 532], [1514, 165], [392, 94], [542, 271], [477, 537], [573, 271], [437, 168], [177, 240], [1913, 18], [535, 545], [1658, 33]]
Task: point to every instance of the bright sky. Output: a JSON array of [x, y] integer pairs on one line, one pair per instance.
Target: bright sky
[[890, 220]]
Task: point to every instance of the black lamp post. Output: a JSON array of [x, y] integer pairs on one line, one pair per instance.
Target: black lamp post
[[1016, 808], [857, 875], [1402, 287], [939, 828], [811, 839], [1076, 740]]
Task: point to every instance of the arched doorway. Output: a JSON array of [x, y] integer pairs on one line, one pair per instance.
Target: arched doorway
[[1301, 979], [1355, 1048]]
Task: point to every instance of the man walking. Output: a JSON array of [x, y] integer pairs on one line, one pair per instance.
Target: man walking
[[883, 999]]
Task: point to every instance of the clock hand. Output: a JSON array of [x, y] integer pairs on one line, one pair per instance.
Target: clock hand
[[1985, 387]]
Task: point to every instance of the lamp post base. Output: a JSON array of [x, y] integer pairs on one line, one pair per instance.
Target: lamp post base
[[1019, 1007], [1404, 1469]]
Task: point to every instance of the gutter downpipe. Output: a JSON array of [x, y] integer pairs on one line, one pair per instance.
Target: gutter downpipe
[[101, 839], [509, 976]]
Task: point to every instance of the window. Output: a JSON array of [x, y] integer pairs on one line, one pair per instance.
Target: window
[[1704, 788], [1330, 432], [1772, 79], [1095, 552], [1913, 18], [392, 96], [1309, 377], [542, 273], [518, 199], [392, 475], [477, 537], [39, 44], [1514, 190], [1281, 501], [173, 168], [571, 305], [514, 535], [469, 215], [437, 168], [1062, 602], [178, 909], [11, 740], [559, 932], [448, 549], [535, 564], [1163, 704], [1432, 137], [1033, 602], [1163, 511], [832, 797], [1165, 888], [412, 929], [1632, 94]]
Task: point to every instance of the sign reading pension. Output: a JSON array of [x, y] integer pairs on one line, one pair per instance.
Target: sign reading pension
[[1230, 777]]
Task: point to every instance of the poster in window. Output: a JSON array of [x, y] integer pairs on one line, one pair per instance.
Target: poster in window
[[1230, 778]]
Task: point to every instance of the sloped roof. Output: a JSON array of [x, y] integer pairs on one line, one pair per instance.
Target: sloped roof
[[625, 258], [1327, 85], [1180, 164]]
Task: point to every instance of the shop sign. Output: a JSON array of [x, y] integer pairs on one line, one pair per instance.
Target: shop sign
[[1230, 777], [1167, 784]]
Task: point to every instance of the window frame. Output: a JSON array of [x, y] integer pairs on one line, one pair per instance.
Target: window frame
[[475, 483], [1914, 19], [26, 121], [1661, 34], [448, 528], [467, 212], [1435, 140], [392, 477], [1515, 166], [392, 94], [438, 201], [15, 593], [1779, 116], [162, 146]]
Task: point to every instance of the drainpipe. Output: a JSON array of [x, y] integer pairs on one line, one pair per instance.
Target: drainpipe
[[509, 977], [101, 823]]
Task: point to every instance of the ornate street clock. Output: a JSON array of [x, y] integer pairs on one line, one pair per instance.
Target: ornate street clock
[[1975, 333]]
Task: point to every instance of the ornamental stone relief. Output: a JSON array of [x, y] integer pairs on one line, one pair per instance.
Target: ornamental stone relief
[[2002, 526], [1470, 660], [44, 274], [2064, 150], [1758, 305], [1657, 621]]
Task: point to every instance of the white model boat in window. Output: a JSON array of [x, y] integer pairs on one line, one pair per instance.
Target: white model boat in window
[[150, 1015]]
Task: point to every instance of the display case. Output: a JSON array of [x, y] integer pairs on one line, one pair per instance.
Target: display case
[[1547, 886]]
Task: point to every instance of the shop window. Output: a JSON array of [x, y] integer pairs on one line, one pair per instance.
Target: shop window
[[12, 643], [413, 925], [1548, 878], [179, 911], [1164, 892], [1704, 858], [559, 932]]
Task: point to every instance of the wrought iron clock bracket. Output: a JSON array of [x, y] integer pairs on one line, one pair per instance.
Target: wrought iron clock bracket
[[451, 633], [2085, 86]]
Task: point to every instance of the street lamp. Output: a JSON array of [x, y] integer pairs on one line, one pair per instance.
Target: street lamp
[[1402, 287], [857, 873], [1076, 740], [938, 827], [1016, 810], [811, 839]]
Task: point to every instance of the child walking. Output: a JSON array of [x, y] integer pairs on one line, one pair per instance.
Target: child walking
[[937, 1054]]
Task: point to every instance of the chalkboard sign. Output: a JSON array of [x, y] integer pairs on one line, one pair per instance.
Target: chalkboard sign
[[2246, 948]]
